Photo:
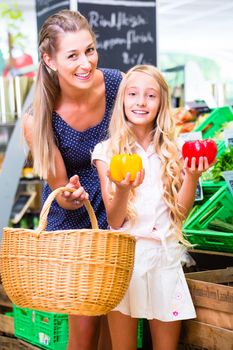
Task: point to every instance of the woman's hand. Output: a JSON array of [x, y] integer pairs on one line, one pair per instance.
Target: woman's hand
[[126, 184], [79, 196]]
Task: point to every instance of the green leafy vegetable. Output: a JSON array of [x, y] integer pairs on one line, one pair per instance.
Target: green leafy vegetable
[[224, 163]]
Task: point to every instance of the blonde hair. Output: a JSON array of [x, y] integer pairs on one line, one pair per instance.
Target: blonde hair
[[122, 140], [47, 87]]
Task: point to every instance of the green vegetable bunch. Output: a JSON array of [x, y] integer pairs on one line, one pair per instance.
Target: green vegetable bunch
[[224, 163]]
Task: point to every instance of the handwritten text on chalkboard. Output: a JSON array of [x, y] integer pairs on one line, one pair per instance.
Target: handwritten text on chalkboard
[[126, 35]]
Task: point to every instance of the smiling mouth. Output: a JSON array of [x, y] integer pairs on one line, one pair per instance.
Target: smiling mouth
[[139, 112], [83, 76]]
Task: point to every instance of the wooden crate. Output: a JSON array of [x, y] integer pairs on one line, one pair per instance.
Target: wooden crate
[[212, 294], [7, 338], [6, 322], [9, 343], [202, 336]]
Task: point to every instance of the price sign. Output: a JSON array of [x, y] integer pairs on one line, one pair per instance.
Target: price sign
[[199, 191], [125, 31], [228, 137], [228, 176]]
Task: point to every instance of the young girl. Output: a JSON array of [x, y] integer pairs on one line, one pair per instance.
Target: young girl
[[152, 208]]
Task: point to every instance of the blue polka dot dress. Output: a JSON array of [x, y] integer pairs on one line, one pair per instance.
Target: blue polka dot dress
[[76, 148]]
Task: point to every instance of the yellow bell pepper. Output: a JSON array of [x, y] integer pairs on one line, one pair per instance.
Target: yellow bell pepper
[[121, 164]]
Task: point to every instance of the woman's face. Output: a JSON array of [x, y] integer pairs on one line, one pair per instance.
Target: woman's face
[[76, 60], [142, 100]]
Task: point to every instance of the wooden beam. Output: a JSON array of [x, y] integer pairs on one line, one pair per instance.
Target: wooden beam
[[6, 324], [207, 336], [4, 300], [213, 276], [8, 343]]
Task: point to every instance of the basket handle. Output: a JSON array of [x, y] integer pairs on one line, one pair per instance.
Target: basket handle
[[47, 204]]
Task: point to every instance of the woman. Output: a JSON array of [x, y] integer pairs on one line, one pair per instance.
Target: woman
[[70, 115]]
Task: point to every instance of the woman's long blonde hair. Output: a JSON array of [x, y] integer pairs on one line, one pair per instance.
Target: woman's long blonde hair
[[47, 88], [122, 140]]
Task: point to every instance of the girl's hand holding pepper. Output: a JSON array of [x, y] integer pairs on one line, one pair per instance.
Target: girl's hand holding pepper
[[194, 169], [126, 183], [126, 171]]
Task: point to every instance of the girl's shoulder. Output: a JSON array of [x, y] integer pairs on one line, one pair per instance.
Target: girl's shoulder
[[102, 147], [100, 151]]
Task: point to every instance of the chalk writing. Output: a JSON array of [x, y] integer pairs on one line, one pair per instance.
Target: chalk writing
[[125, 35], [44, 2], [134, 59], [116, 20], [130, 39]]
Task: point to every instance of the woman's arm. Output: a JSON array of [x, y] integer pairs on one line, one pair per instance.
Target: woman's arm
[[186, 195], [70, 201], [116, 203]]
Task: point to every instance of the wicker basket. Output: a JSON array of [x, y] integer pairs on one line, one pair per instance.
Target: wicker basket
[[82, 272]]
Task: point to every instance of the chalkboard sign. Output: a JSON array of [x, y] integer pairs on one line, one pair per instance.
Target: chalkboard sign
[[125, 30], [46, 8]]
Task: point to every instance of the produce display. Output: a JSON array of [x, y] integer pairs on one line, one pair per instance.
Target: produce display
[[121, 164], [185, 119], [209, 225], [224, 163], [210, 124]]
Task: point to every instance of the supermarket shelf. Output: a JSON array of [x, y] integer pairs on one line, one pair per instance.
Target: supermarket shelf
[[210, 260], [12, 168], [24, 181]]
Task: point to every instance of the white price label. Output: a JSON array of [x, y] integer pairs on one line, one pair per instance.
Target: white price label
[[228, 137], [199, 192], [228, 176]]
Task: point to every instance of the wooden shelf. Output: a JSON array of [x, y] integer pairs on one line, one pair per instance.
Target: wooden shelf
[[211, 260], [209, 252]]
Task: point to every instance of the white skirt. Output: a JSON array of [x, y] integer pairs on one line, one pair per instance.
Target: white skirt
[[158, 288]]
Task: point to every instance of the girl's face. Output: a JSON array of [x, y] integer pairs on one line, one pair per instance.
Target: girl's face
[[76, 59], [142, 100]]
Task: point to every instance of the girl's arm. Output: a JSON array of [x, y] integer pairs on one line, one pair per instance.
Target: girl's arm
[[116, 204], [67, 200], [186, 195]]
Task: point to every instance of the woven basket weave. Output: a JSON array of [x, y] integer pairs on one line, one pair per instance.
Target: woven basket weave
[[82, 272]]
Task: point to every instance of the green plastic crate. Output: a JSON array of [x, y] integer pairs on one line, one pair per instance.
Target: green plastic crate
[[214, 121], [45, 329], [219, 205], [211, 187], [210, 240], [140, 334], [221, 147]]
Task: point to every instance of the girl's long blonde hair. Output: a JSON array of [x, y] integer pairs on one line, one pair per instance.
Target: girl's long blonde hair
[[122, 140], [47, 88]]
